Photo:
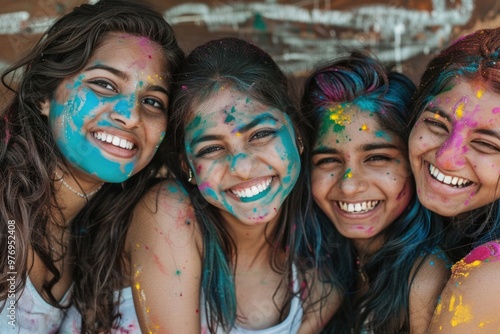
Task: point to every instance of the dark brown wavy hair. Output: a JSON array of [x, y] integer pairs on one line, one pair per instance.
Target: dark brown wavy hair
[[28, 156]]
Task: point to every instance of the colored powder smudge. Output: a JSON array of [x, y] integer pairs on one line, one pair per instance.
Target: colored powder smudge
[[462, 313], [459, 107], [364, 127], [177, 272], [439, 306], [347, 174], [339, 118], [479, 93], [229, 117], [383, 134], [496, 111], [137, 286]]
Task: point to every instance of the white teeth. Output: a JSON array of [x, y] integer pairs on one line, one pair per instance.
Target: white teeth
[[455, 181], [358, 207], [114, 140], [253, 190]]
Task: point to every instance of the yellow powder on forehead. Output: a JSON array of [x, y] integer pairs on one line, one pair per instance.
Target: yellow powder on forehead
[[338, 116], [460, 110]]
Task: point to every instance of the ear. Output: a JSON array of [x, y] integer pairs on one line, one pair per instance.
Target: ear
[[301, 145], [188, 172], [45, 107]]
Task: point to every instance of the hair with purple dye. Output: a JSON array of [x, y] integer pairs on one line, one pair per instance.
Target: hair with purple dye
[[476, 58], [384, 308]]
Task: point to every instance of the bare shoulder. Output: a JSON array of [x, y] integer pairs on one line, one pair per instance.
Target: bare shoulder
[[469, 303], [165, 211], [431, 274]]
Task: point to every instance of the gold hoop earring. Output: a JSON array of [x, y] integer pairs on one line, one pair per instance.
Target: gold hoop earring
[[190, 175]]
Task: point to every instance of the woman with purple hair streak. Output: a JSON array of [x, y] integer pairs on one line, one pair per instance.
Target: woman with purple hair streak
[[455, 156], [387, 258], [233, 239]]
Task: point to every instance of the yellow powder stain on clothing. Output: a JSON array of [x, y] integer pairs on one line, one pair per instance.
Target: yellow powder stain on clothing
[[460, 110], [462, 313]]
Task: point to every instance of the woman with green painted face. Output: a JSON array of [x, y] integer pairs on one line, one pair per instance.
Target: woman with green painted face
[[77, 145], [230, 246]]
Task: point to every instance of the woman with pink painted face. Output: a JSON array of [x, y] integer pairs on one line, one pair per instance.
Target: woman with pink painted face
[[77, 145], [390, 267], [455, 156]]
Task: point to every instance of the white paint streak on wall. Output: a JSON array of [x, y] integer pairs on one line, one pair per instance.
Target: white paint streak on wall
[[11, 23], [423, 31]]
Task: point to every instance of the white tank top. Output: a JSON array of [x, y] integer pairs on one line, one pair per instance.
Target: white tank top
[[31, 314], [128, 322], [290, 325]]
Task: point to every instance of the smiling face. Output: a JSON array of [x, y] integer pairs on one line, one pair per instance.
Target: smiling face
[[109, 118], [243, 155], [455, 150], [360, 176]]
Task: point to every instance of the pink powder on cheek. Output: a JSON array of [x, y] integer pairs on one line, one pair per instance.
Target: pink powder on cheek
[[496, 111], [204, 186]]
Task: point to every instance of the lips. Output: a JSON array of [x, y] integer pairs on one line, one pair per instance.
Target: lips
[[113, 140], [452, 181], [359, 207]]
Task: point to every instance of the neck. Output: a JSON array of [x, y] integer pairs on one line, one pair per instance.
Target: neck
[[252, 242]]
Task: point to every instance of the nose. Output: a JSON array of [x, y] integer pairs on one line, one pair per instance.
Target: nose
[[353, 182], [451, 155], [127, 112], [241, 164]]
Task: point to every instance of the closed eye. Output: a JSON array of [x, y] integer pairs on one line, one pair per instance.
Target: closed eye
[[262, 134], [485, 147], [379, 157], [435, 125], [325, 161], [208, 150]]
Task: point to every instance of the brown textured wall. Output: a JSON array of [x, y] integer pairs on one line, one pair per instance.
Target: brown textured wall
[[404, 32]]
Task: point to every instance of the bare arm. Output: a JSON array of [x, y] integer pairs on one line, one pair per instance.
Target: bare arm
[[470, 301], [425, 290], [318, 314], [164, 249]]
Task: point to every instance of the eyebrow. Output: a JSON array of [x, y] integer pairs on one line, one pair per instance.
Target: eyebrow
[[241, 129], [488, 132], [440, 112], [255, 122], [366, 147], [124, 76]]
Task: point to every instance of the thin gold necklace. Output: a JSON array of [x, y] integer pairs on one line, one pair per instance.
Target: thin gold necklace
[[82, 195]]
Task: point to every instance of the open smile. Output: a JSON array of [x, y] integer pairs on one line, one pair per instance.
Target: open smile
[[360, 207], [452, 181], [254, 192], [113, 140]]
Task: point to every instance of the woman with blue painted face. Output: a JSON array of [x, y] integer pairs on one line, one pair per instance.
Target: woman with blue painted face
[[77, 145], [231, 245]]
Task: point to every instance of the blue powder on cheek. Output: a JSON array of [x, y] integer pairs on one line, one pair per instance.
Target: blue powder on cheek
[[76, 147], [125, 108]]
